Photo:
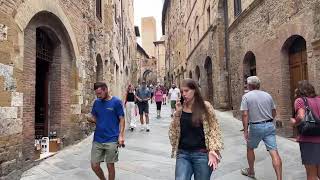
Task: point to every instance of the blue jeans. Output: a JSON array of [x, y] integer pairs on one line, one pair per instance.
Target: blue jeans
[[192, 162], [265, 132]]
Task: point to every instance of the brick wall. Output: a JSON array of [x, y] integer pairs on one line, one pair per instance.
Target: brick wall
[[72, 73], [188, 46], [264, 28]]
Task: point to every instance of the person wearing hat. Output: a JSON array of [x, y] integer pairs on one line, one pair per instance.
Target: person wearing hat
[[258, 113], [143, 95]]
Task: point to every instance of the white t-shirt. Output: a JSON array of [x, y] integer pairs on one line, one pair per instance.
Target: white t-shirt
[[174, 94]]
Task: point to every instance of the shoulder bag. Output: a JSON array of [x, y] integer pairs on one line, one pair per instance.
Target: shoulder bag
[[310, 124]]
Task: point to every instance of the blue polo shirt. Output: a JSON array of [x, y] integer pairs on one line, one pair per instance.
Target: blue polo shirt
[[107, 113]]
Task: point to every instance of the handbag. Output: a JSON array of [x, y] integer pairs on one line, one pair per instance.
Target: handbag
[[310, 124]]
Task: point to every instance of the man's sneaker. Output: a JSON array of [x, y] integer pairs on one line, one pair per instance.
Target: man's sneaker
[[245, 172], [158, 117], [142, 128]]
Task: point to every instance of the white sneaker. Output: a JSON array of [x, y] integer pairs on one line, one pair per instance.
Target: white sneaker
[[142, 128]]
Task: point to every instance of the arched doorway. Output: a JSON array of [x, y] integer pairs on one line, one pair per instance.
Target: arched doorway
[[48, 81], [147, 75], [295, 47], [208, 68], [99, 69], [197, 71], [190, 74], [44, 59], [249, 67]]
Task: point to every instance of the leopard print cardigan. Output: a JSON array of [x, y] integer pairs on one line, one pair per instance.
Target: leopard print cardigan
[[211, 130]]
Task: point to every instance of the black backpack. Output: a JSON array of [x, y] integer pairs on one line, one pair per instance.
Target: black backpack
[[310, 124]]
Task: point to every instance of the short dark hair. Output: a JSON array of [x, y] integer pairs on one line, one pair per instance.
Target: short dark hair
[[98, 85]]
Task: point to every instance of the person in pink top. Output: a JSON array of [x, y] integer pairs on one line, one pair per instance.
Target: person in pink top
[[309, 145], [158, 94]]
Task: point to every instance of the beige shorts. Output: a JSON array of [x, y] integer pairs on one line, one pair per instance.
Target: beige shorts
[[104, 152]]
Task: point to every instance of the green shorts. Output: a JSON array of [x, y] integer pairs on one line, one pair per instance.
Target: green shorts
[[173, 104], [107, 152]]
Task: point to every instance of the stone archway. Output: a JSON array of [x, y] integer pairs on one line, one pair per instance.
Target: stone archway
[[190, 74], [148, 76], [209, 73], [47, 73], [249, 67], [296, 50]]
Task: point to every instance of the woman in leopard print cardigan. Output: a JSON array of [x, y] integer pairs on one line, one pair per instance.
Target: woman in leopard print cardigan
[[195, 135]]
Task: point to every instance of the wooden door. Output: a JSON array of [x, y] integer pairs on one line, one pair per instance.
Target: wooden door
[[298, 70]]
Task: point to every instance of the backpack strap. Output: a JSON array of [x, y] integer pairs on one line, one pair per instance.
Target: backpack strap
[[306, 104]]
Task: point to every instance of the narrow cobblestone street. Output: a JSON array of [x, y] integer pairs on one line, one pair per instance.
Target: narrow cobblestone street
[[147, 156]]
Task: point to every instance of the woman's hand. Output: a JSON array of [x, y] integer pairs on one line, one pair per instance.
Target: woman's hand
[[178, 106], [293, 121], [214, 159]]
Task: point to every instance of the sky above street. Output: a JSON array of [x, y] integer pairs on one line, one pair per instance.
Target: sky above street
[[145, 8]]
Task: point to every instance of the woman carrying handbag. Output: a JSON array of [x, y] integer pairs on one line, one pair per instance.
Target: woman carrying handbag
[[307, 120]]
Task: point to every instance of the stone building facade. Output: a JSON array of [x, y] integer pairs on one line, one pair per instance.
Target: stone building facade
[[141, 56], [275, 40], [160, 51], [52, 51], [148, 34], [195, 46], [146, 67], [279, 42]]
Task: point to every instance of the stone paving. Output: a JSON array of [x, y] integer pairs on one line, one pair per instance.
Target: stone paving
[[147, 156]]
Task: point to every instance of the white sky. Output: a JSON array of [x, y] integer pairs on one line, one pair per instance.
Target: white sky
[[145, 8]]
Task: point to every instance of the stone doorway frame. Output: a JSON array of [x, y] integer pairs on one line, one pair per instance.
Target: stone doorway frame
[[59, 77]]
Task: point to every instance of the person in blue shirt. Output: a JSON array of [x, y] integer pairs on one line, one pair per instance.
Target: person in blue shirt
[[108, 115]]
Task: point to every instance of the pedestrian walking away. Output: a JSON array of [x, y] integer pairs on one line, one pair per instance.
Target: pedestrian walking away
[[158, 94], [164, 97], [258, 113], [129, 103], [174, 95], [151, 92], [195, 135], [143, 95], [308, 101], [108, 115]]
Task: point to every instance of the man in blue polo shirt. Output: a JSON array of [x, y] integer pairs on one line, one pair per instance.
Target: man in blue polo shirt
[[108, 115]]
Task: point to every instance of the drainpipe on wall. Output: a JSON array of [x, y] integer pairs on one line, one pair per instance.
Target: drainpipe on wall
[[227, 55]]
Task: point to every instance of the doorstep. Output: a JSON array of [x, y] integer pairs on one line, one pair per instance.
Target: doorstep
[[46, 155]]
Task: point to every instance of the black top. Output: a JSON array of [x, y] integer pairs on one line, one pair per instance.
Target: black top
[[130, 97], [191, 137]]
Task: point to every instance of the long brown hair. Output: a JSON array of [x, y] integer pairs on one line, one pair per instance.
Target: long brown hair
[[198, 107], [305, 89], [128, 88]]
